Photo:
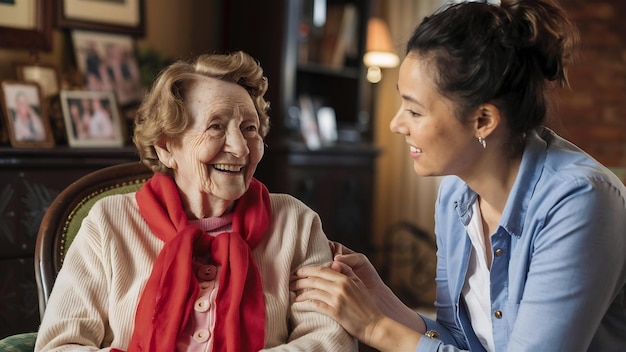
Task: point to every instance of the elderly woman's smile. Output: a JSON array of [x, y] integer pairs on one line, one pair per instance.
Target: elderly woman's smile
[[227, 168]]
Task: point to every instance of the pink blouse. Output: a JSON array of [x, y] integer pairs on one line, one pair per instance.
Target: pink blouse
[[198, 334]]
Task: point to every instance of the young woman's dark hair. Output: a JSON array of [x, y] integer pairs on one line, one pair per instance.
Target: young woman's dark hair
[[501, 54]]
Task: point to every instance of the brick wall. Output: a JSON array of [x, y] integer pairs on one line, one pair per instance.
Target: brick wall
[[593, 113]]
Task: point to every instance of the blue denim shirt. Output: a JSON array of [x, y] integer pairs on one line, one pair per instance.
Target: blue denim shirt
[[559, 257]]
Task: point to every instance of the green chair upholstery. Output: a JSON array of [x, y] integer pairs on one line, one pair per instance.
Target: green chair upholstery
[[19, 342], [60, 224]]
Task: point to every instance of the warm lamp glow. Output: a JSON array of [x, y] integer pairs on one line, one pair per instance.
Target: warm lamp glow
[[380, 59], [380, 52]]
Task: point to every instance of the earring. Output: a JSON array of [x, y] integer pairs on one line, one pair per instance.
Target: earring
[[482, 141]]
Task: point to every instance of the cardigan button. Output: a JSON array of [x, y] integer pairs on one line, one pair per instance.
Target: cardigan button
[[207, 272], [498, 314], [202, 305], [201, 335]]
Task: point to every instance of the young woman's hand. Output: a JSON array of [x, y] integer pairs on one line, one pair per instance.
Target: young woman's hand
[[340, 294], [354, 264], [359, 264]]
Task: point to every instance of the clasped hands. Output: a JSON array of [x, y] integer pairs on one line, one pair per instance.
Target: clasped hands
[[346, 290]]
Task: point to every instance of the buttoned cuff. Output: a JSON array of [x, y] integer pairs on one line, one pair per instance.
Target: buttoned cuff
[[428, 344]]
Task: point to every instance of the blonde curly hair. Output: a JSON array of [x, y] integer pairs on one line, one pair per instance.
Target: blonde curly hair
[[163, 113]]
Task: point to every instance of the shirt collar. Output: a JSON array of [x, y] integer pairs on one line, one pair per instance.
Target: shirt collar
[[528, 175]]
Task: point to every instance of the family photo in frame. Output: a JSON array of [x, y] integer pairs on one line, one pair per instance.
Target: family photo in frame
[[91, 119], [25, 115], [107, 62], [102, 37]]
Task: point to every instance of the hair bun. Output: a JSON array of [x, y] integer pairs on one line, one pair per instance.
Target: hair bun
[[541, 32]]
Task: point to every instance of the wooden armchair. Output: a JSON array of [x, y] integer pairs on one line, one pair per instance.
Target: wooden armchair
[[60, 224]]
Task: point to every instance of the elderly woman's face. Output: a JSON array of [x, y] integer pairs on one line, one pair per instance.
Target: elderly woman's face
[[22, 106], [218, 154]]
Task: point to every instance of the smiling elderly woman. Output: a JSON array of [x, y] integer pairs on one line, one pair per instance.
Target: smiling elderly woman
[[199, 259]]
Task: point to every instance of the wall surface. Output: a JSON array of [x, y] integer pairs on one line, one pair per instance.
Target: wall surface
[[593, 113]]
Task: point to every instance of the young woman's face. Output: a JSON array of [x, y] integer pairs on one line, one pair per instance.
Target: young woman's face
[[439, 143], [218, 153]]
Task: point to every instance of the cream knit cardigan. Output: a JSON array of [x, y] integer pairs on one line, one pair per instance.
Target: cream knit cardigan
[[93, 302]]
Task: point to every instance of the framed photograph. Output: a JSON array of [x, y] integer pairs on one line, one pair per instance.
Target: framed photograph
[[91, 119], [308, 123], [327, 125], [25, 115], [47, 76], [108, 62], [117, 16], [26, 24]]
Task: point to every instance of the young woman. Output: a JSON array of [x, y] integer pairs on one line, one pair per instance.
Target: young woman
[[530, 229]]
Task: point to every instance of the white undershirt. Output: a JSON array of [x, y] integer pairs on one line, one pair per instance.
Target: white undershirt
[[476, 289]]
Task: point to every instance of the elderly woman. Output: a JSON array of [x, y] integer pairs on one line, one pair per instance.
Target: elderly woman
[[200, 258]]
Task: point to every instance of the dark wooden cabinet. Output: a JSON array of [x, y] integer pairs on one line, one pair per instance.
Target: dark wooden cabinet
[[291, 42], [29, 181]]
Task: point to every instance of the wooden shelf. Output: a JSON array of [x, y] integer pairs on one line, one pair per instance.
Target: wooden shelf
[[63, 156]]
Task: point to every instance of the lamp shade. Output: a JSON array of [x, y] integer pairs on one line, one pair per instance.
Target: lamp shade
[[379, 51]]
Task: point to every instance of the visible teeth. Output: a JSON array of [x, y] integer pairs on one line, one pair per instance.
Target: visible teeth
[[227, 167], [415, 150]]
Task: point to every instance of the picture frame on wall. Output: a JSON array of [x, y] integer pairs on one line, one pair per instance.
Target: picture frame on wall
[[46, 75], [26, 24], [25, 115], [108, 62], [115, 16], [91, 119]]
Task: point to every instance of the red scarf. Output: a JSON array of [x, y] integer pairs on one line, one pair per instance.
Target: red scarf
[[168, 298]]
